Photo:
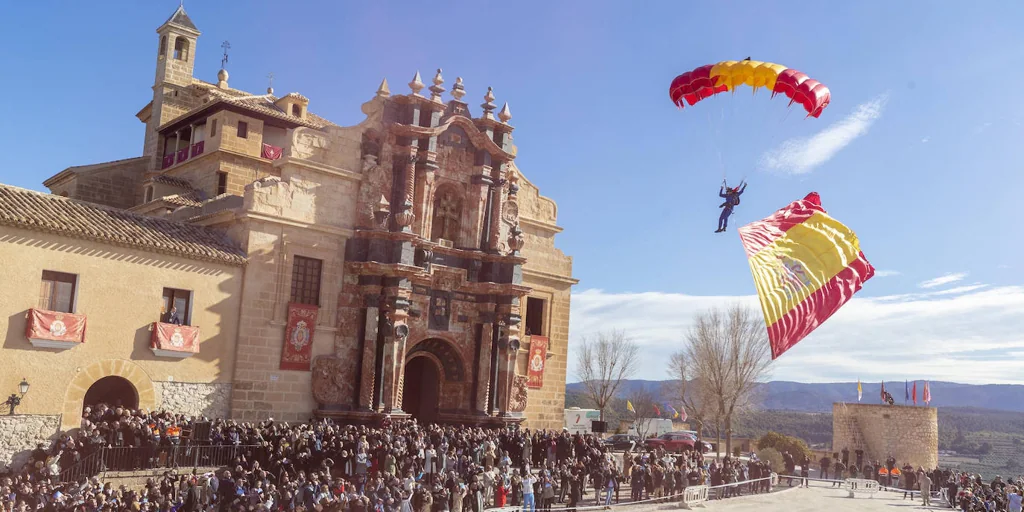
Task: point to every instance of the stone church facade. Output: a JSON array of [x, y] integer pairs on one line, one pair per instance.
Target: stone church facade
[[401, 266]]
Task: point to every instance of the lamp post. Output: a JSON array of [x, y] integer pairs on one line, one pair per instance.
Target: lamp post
[[14, 400]]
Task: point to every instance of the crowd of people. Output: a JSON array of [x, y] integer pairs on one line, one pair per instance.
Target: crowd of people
[[395, 466]]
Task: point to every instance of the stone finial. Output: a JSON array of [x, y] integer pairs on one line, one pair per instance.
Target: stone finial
[[270, 90], [488, 104], [458, 91], [505, 115], [417, 84], [384, 91], [222, 79], [436, 89]]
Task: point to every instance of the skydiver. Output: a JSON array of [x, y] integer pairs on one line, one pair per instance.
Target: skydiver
[[732, 199]]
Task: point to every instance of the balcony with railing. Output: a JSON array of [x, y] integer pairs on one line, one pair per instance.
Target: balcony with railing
[[54, 329], [183, 154], [174, 341]]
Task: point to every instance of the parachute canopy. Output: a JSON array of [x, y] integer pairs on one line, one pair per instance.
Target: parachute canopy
[[706, 81], [806, 265]]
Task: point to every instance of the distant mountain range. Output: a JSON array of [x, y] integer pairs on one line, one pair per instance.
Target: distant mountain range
[[796, 396]]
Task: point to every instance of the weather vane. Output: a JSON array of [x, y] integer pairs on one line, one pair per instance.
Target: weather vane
[[224, 60], [270, 77]]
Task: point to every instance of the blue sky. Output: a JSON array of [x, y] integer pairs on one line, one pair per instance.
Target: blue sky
[[918, 152]]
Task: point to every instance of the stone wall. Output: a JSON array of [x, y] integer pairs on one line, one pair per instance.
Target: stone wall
[[19, 435], [110, 184], [212, 400], [548, 271], [908, 433]]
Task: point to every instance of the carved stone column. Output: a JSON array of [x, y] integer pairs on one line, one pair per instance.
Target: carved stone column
[[481, 202], [404, 215], [368, 373], [509, 345], [494, 230], [484, 369], [394, 356]]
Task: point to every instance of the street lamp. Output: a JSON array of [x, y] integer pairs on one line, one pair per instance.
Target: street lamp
[[14, 400]]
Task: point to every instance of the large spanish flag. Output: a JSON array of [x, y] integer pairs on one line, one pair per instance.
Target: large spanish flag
[[806, 265]]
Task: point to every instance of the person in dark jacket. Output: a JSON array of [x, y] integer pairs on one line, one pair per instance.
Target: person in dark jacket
[[732, 199]]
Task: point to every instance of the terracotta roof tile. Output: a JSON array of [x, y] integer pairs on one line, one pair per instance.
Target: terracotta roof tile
[[28, 209], [173, 181], [259, 103], [190, 198]]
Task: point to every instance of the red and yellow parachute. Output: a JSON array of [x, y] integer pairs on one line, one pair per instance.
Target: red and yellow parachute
[[706, 81]]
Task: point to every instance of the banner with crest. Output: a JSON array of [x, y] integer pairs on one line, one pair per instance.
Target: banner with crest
[[298, 337], [538, 360], [177, 338], [55, 326]]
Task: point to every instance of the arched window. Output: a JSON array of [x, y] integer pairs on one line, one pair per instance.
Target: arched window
[[181, 48], [296, 110], [163, 46], [447, 216]]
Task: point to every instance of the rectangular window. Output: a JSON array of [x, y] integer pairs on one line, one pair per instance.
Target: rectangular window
[[57, 292], [535, 316], [243, 129], [306, 280], [213, 128], [222, 183], [181, 301], [149, 194]]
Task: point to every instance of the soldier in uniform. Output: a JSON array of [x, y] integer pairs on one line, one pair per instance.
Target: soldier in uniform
[[839, 471]]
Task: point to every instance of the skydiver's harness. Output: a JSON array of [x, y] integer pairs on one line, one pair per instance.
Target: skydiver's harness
[[729, 200]]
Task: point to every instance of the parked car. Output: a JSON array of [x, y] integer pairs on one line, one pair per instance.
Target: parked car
[[672, 442], [622, 441]]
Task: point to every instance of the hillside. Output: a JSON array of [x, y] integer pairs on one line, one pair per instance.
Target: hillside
[[818, 397]]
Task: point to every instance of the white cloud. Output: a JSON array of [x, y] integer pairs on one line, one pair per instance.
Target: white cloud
[[943, 280], [925, 140], [966, 334], [886, 273], [802, 155]]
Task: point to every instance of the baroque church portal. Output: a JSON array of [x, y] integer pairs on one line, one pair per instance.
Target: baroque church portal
[[258, 260]]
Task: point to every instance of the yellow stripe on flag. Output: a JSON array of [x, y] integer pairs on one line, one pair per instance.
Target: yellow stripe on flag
[[800, 262]]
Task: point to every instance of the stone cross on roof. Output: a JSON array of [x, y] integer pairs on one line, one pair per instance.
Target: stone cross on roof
[[224, 60]]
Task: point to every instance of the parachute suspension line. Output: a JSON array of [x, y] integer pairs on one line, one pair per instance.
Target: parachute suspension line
[[717, 131]]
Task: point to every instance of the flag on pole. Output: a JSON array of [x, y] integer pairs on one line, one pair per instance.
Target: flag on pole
[[675, 413], [913, 392], [882, 393], [629, 407], [806, 265], [657, 412], [906, 391], [682, 413], [927, 395], [860, 391]]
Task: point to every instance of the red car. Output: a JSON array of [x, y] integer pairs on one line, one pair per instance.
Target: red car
[[672, 442]]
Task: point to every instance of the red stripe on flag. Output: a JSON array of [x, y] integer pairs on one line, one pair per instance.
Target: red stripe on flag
[[760, 234], [819, 306]]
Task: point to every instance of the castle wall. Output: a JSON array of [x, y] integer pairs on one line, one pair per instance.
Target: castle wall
[[908, 433]]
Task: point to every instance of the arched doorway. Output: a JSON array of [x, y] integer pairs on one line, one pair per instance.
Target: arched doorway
[[422, 389], [114, 391]]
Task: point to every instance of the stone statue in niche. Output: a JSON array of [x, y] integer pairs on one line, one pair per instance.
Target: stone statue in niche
[[440, 311], [447, 214], [373, 205]]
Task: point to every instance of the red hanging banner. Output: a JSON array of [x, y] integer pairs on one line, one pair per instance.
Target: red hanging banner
[[55, 326], [298, 337], [176, 338], [538, 360]]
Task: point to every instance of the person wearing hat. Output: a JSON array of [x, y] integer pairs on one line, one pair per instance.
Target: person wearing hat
[[732, 199]]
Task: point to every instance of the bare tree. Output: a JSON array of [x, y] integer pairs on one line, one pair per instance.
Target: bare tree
[[642, 400], [698, 399], [603, 362], [728, 352]]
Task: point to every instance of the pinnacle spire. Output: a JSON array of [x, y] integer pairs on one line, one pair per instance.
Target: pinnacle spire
[[488, 104], [436, 89], [384, 91], [458, 90], [505, 114], [416, 84]]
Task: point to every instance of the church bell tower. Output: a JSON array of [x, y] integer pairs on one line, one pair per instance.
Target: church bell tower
[[175, 62]]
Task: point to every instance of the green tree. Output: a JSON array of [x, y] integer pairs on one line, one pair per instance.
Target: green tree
[[783, 443]]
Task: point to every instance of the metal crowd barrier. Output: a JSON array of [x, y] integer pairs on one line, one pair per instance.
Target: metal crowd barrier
[[133, 458]]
